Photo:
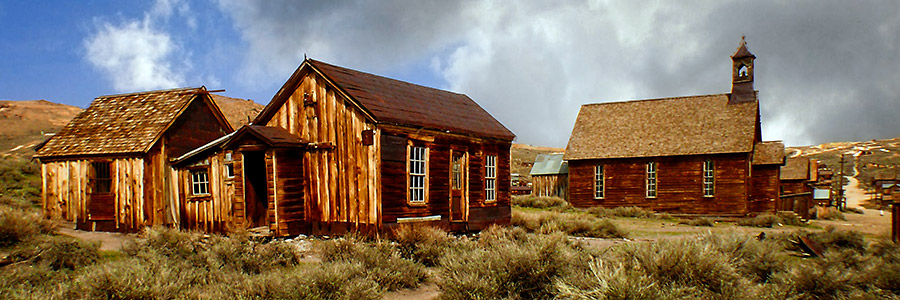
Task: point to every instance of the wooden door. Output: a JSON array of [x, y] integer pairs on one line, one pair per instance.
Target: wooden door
[[459, 189], [101, 202]]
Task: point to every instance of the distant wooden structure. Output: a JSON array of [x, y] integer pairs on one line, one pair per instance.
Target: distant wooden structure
[[550, 176], [109, 168], [797, 176], [700, 155], [339, 150]]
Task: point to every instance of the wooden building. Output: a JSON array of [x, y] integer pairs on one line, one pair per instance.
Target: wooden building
[[797, 176], [109, 168], [550, 176], [701, 155], [340, 150]]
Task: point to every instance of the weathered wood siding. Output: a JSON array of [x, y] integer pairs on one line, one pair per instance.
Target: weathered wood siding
[[67, 193], [765, 186], [211, 212], [679, 184], [341, 172], [196, 126], [550, 185], [480, 213]]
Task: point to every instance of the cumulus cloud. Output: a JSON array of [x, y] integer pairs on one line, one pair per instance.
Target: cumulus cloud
[[136, 54], [133, 56], [825, 70]]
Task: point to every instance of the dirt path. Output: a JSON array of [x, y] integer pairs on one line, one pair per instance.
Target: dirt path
[[109, 241]]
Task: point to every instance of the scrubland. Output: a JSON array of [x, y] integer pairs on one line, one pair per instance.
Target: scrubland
[[547, 253]]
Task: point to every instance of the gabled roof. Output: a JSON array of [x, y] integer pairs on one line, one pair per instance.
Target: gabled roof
[[271, 136], [663, 127], [768, 153], [795, 168], [213, 145], [549, 164], [397, 102], [125, 123]]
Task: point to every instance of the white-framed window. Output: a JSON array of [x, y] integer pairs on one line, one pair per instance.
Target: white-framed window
[[417, 166], [229, 165], [199, 182], [490, 178], [651, 179], [599, 182], [709, 178]]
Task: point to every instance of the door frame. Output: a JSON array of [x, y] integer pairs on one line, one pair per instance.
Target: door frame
[[464, 181]]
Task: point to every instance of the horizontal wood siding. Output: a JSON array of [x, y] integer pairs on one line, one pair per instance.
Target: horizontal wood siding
[[679, 184], [394, 143], [764, 188], [340, 171]]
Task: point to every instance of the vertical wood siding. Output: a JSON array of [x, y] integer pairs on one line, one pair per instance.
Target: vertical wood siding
[[550, 185], [211, 213], [341, 173]]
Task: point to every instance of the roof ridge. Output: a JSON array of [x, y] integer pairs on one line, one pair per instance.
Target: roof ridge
[[385, 77], [654, 99], [149, 92]]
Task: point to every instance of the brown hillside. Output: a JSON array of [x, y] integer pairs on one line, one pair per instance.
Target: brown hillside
[[238, 111], [875, 158], [523, 157], [23, 124]]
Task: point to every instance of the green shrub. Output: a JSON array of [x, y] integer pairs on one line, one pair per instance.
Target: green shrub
[[570, 223], [539, 202], [17, 225], [621, 211], [832, 213], [381, 260], [58, 252], [423, 244], [510, 264]]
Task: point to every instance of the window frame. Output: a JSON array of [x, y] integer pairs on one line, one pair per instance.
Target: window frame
[[228, 165], [196, 183], [420, 162], [599, 181], [709, 178], [490, 178], [96, 180], [651, 186]]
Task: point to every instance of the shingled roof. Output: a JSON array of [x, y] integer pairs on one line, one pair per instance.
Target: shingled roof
[[397, 102], [768, 153], [663, 127], [121, 124], [795, 168]]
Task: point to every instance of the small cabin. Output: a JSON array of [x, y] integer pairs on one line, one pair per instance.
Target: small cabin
[[340, 150], [797, 176], [109, 168], [697, 155], [550, 176]]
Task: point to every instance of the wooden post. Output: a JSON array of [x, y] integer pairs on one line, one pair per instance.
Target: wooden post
[[895, 221]]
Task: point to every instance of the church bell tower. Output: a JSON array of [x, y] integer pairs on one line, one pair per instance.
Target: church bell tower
[[742, 75]]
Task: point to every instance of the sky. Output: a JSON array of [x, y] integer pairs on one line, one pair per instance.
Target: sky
[[826, 71]]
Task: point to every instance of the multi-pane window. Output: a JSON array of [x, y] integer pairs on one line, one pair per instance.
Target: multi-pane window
[[599, 186], [199, 182], [709, 178], [102, 179], [651, 179], [418, 158], [490, 178]]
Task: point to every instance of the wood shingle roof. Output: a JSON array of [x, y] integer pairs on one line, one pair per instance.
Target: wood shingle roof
[[768, 153], [397, 102], [120, 124], [663, 127], [795, 168]]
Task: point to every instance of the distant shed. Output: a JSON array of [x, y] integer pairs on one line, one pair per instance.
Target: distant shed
[[796, 188], [550, 176]]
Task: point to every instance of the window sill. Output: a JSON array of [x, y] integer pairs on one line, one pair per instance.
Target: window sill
[[416, 204]]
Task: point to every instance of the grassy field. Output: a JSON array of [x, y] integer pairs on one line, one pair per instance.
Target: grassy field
[[552, 251]]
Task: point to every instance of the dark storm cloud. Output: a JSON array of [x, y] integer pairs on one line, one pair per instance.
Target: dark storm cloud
[[826, 71]]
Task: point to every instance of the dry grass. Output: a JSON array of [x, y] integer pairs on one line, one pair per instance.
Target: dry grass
[[832, 213], [540, 202], [574, 224]]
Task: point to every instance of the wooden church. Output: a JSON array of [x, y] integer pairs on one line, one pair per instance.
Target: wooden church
[[699, 155]]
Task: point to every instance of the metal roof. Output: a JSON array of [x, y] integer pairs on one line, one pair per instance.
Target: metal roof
[[549, 164]]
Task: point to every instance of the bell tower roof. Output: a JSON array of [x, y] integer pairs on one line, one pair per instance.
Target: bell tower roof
[[742, 51]]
